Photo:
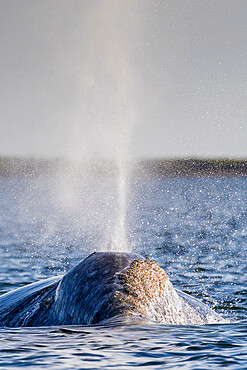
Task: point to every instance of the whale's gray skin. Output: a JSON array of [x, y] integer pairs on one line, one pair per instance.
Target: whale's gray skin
[[105, 287]]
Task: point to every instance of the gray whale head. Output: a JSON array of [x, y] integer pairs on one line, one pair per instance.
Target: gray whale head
[[107, 284]]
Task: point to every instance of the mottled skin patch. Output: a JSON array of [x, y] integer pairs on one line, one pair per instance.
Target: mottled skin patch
[[141, 282]]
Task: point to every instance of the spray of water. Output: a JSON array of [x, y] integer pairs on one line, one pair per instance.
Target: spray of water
[[119, 240], [105, 116]]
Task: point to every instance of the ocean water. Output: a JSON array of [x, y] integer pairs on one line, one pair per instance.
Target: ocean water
[[195, 228]]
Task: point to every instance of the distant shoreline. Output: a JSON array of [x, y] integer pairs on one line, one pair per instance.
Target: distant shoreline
[[13, 166], [195, 167]]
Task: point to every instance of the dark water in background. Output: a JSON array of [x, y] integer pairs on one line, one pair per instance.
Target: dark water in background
[[195, 228]]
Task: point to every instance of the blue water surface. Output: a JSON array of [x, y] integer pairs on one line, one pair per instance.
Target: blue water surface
[[195, 228]]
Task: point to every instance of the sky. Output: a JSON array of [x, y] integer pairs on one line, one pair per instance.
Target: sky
[[88, 79]]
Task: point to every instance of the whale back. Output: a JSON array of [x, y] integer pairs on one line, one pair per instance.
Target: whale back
[[85, 293], [105, 287]]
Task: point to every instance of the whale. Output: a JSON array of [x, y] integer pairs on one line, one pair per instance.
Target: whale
[[103, 289]]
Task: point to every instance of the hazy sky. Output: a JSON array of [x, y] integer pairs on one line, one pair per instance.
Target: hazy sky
[[89, 78]]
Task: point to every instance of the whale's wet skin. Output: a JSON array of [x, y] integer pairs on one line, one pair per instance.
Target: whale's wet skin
[[105, 287]]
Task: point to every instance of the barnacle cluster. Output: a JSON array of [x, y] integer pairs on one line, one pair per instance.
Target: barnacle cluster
[[141, 282]]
